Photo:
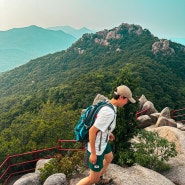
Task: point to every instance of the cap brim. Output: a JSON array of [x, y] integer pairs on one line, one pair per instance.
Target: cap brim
[[132, 100]]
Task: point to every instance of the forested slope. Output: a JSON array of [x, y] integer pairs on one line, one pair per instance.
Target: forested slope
[[68, 81]]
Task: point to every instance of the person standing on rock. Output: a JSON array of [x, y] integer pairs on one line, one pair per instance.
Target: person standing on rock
[[99, 149]]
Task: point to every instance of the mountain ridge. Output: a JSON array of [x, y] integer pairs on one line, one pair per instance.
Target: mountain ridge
[[14, 52], [109, 50], [73, 31], [30, 42]]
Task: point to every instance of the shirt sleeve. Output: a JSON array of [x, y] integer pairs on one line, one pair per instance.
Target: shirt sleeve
[[104, 117]]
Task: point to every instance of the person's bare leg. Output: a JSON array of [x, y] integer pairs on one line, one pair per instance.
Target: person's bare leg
[[107, 160], [93, 177]]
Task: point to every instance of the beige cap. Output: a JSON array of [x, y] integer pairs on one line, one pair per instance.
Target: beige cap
[[124, 91]]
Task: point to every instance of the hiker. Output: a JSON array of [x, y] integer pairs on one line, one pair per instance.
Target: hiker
[[99, 149]]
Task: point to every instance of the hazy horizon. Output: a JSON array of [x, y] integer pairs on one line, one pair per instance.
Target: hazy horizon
[[165, 19]]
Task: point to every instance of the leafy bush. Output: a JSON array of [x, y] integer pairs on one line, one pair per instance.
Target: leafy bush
[[153, 151], [67, 165], [126, 157]]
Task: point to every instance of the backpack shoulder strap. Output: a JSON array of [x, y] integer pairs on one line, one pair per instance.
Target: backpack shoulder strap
[[109, 127]]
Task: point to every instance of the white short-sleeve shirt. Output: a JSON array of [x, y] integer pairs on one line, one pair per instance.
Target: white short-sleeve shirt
[[103, 120]]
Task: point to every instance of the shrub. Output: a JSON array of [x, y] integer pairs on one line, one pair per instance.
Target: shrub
[[126, 158], [67, 165], [153, 151]]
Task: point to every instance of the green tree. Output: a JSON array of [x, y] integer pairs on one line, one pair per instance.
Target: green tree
[[126, 123]]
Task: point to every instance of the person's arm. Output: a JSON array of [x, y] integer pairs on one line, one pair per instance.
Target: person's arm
[[111, 137], [92, 137]]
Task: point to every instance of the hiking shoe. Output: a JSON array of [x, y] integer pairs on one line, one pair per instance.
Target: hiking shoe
[[104, 181]]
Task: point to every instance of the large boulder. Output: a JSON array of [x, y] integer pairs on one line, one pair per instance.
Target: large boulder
[[142, 100], [154, 117], [144, 121], [56, 179], [147, 114], [176, 175], [165, 113], [40, 164], [29, 179], [177, 164], [98, 98], [136, 175], [163, 121], [172, 134], [180, 126], [149, 105]]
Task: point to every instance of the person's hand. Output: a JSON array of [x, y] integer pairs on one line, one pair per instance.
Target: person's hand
[[111, 137], [93, 158]]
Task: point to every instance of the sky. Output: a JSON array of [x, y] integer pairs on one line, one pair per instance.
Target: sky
[[163, 18]]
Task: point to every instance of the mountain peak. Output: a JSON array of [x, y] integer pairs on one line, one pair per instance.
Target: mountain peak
[[77, 33], [122, 35]]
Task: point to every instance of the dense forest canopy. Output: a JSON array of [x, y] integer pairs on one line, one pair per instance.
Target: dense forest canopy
[[39, 98]]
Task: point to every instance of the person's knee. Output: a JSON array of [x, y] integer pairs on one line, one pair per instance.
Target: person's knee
[[109, 157]]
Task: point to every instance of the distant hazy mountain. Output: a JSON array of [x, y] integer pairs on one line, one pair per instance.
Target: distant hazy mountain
[[19, 45], [77, 33]]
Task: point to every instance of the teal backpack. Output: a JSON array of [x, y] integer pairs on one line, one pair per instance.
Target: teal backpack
[[87, 119]]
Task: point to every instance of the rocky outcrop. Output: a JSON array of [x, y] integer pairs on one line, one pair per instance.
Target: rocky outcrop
[[136, 175], [56, 179], [147, 115], [105, 35], [123, 30], [40, 164], [98, 98], [163, 47], [105, 38], [34, 178], [177, 164], [29, 179], [163, 121]]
